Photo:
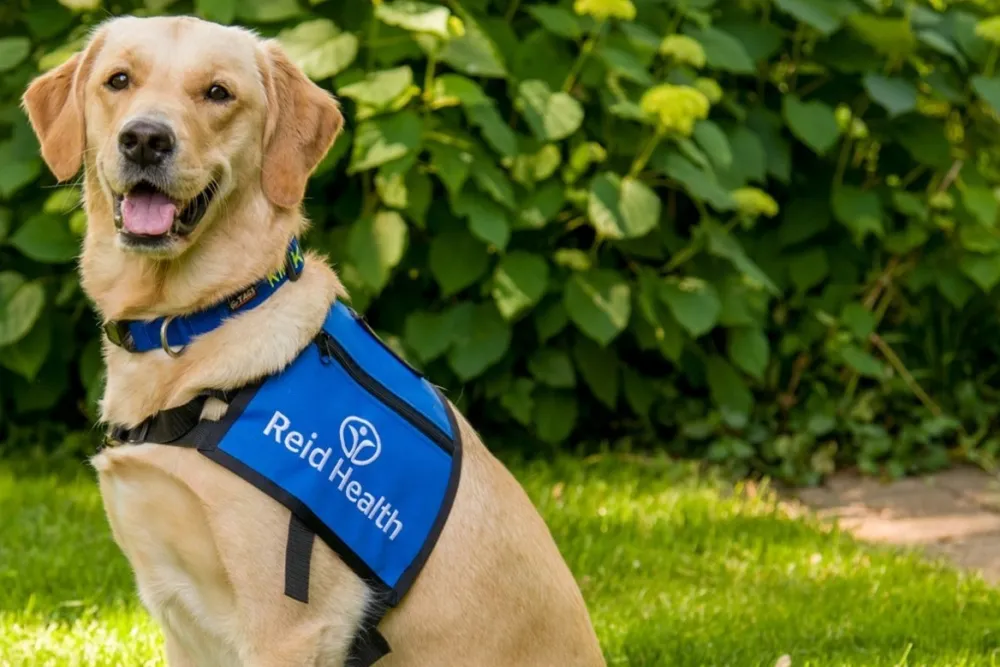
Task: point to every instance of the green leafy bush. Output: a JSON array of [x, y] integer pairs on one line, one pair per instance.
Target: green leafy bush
[[756, 231]]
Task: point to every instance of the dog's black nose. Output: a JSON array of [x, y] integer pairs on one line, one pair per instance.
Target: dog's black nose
[[147, 143]]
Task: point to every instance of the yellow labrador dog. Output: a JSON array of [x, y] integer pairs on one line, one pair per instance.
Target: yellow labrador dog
[[197, 141]]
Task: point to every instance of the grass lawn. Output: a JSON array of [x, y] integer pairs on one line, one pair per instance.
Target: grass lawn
[[676, 572]]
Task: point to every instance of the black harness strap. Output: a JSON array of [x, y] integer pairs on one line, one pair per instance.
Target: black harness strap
[[298, 559], [168, 427]]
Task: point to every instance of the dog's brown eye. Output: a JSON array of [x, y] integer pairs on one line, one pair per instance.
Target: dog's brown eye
[[118, 81], [218, 93]]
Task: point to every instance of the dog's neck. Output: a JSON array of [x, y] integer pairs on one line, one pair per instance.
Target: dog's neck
[[225, 259]]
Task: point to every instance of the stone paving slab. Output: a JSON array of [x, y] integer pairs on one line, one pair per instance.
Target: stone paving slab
[[953, 514]]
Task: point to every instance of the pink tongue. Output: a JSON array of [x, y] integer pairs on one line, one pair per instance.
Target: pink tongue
[[148, 214]]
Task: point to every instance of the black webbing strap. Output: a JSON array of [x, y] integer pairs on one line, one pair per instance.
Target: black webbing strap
[[167, 426], [298, 559], [369, 646]]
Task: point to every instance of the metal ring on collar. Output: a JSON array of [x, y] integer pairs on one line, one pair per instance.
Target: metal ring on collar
[[163, 338]]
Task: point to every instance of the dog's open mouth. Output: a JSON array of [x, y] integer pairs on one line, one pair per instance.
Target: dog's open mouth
[[145, 210]]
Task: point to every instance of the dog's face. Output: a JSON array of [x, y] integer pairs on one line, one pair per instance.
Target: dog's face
[[173, 118]]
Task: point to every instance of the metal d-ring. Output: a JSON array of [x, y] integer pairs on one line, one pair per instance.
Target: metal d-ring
[[163, 338]]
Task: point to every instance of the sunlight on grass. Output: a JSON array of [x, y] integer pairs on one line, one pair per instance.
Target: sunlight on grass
[[676, 569]]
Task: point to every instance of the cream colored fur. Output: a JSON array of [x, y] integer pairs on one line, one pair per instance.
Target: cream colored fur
[[207, 548]]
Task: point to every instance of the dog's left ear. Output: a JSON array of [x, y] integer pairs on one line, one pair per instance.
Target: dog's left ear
[[302, 122], [54, 103]]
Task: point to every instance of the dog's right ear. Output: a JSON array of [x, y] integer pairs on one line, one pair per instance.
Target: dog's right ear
[[54, 103]]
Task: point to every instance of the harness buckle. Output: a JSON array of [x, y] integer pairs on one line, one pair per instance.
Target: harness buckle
[[163, 338], [119, 334], [139, 433]]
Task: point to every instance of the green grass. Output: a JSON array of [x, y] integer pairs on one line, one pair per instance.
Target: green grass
[[676, 570]]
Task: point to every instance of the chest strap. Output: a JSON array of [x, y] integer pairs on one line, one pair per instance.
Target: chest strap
[[182, 427]]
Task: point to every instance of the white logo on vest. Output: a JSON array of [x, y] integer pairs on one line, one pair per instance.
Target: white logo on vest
[[361, 445], [360, 441]]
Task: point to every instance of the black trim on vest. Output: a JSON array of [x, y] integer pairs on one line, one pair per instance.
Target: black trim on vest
[[406, 579]]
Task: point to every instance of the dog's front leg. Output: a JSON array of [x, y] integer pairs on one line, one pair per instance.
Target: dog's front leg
[[177, 656], [308, 646]]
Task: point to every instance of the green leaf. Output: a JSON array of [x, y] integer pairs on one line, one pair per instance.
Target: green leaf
[[622, 208], [713, 141], [5, 221], [217, 11], [723, 51], [517, 400], [728, 390], [26, 356], [768, 128], [895, 95], [982, 270], [16, 169], [693, 302], [808, 268], [552, 367], [541, 206], [639, 392], [376, 244], [862, 362], [551, 116], [625, 65], [267, 11], [457, 261], [46, 238], [555, 415], [454, 89], [910, 205], [599, 303], [812, 122], [892, 37], [379, 89], [749, 157], [826, 16], [21, 304], [749, 349], [415, 16], [451, 164], [492, 180], [858, 210], [319, 48], [557, 20], [480, 343], [13, 51], [550, 320], [519, 282], [599, 367], [487, 219], [723, 244], [924, 139], [762, 41], [988, 89], [429, 335], [384, 139], [858, 320], [699, 183], [495, 129], [474, 53], [981, 203]]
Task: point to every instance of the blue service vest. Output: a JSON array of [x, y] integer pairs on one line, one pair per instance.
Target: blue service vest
[[361, 448]]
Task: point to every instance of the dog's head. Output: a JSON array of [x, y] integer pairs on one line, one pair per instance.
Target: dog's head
[[179, 122]]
